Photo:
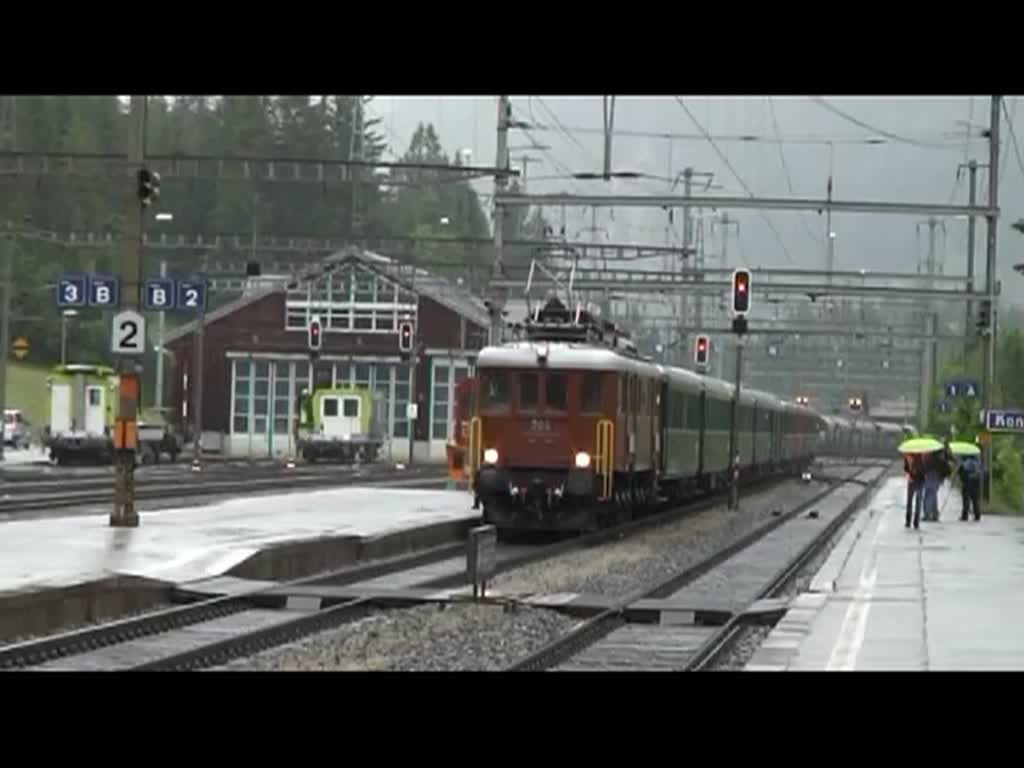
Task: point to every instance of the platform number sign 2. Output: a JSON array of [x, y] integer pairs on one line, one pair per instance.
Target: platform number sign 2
[[192, 295], [129, 333]]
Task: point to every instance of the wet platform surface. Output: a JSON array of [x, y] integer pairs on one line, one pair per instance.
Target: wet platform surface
[[191, 543], [945, 597]]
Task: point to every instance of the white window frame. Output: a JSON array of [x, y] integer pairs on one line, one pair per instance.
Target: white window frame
[[302, 303], [451, 363]]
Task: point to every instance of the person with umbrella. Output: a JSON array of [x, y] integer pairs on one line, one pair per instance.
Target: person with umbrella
[[914, 451], [970, 472], [937, 469], [913, 465]]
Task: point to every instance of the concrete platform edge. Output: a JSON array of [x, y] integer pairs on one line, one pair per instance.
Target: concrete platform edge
[[306, 557], [45, 610], [48, 609]]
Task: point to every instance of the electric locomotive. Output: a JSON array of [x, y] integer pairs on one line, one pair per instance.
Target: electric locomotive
[[573, 430]]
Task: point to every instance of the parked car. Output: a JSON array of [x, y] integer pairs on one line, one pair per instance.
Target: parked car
[[17, 429]]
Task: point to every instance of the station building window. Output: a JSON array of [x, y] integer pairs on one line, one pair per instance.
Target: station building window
[[264, 395], [242, 392], [354, 299], [403, 376], [447, 374]]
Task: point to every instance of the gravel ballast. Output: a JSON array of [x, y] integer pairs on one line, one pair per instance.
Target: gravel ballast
[[622, 567], [461, 637], [464, 637]]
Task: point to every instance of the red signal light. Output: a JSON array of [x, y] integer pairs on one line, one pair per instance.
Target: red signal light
[[315, 337], [741, 291], [700, 354], [405, 332]]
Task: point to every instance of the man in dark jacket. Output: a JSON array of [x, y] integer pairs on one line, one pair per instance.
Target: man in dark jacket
[[913, 465], [970, 486]]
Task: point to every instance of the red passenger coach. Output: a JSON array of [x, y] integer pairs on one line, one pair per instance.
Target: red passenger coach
[[459, 440]]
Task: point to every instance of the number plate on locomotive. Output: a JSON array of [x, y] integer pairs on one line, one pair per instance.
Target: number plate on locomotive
[[540, 425]]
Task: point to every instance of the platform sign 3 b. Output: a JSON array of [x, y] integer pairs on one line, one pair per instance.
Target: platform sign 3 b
[[74, 291]]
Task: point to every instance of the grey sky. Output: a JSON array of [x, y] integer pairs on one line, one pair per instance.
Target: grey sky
[[891, 171]]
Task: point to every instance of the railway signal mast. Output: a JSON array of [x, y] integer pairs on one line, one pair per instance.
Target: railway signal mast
[[407, 349], [741, 301]]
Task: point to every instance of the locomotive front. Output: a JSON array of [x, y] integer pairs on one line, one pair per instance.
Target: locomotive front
[[540, 433]]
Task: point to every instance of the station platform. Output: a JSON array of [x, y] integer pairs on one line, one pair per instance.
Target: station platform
[[192, 543], [944, 597]]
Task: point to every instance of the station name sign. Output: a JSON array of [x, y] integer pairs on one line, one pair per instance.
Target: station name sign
[[1004, 421]]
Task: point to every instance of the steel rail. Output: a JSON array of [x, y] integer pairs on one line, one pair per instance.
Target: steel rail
[[669, 512], [290, 629], [74, 642], [82, 640], [723, 637], [601, 625], [150, 476], [19, 503]]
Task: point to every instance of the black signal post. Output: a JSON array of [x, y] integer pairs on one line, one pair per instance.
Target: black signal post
[[407, 349], [741, 302]]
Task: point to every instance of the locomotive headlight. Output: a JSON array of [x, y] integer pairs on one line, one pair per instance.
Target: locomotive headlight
[[491, 456], [582, 460]]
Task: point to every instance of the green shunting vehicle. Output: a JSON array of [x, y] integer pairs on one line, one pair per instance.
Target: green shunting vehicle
[[83, 406], [341, 424]]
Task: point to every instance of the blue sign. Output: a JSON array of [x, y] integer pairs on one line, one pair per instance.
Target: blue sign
[[962, 388], [192, 294], [72, 291], [104, 291], [1004, 421], [158, 295]]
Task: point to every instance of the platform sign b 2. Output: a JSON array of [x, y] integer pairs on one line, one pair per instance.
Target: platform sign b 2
[[192, 294], [158, 295]]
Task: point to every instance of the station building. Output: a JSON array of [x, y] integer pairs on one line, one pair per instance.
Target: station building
[[256, 360]]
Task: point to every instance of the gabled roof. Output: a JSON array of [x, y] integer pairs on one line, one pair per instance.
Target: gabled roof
[[456, 298], [419, 281], [221, 312]]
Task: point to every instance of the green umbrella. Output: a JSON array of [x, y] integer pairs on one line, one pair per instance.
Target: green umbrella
[[920, 445], [965, 449]]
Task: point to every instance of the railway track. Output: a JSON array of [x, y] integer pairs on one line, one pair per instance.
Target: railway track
[[213, 631], [608, 641], [26, 497]]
